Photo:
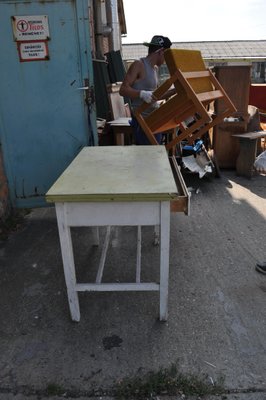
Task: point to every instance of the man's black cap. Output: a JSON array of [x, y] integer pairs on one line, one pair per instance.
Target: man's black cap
[[159, 41]]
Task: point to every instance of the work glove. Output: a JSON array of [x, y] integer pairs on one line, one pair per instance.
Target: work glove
[[146, 96], [260, 163]]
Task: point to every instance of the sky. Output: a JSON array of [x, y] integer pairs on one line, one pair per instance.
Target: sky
[[195, 20]]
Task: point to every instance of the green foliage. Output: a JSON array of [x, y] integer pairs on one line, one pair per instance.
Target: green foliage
[[166, 381], [12, 223], [54, 390]]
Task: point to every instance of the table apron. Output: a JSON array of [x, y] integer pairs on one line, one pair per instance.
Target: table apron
[[116, 213]]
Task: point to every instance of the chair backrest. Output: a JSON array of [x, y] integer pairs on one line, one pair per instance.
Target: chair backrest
[[183, 105], [188, 61], [191, 106], [117, 104]]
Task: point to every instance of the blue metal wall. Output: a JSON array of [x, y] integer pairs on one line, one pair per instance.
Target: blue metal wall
[[44, 120]]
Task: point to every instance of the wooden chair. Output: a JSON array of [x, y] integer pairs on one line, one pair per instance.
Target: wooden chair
[[121, 115], [189, 108]]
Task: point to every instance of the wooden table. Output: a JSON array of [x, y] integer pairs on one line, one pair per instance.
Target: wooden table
[[115, 185], [121, 127], [247, 152]]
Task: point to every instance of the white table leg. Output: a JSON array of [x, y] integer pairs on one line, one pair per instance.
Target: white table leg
[[156, 235], [95, 236], [164, 258], [68, 262], [103, 255], [138, 267]]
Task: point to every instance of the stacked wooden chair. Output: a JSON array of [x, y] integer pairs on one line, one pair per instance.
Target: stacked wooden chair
[[190, 108]]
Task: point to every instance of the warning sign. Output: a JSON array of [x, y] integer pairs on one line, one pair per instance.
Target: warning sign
[[30, 27], [33, 51]]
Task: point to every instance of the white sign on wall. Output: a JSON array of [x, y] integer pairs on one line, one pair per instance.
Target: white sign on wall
[[30, 27], [33, 51]]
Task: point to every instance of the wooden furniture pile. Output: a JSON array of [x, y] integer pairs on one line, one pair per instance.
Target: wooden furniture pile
[[190, 108]]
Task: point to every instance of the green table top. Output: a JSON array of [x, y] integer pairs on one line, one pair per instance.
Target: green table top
[[116, 173]]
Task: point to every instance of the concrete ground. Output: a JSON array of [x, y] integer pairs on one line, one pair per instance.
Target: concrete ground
[[216, 328]]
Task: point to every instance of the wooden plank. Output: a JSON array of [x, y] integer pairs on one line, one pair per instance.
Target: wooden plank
[[196, 74], [251, 135], [210, 96]]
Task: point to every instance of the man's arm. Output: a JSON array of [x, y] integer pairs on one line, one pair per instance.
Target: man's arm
[[132, 75]]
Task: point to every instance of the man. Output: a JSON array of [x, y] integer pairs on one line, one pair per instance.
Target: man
[[142, 79], [261, 267]]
